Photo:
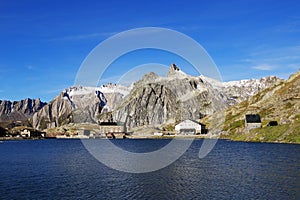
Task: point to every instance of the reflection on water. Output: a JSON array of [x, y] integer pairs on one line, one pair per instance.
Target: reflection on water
[[63, 169]]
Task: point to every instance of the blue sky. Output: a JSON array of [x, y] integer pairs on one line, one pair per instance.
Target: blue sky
[[43, 42]]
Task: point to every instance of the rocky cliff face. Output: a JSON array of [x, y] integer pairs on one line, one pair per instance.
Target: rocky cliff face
[[241, 90], [151, 103], [19, 110], [55, 113], [78, 105]]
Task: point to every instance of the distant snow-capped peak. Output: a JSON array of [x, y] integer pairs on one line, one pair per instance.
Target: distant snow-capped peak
[[108, 88]]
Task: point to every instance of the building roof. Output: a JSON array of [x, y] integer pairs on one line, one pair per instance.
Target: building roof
[[108, 123], [193, 121], [112, 124], [253, 118]]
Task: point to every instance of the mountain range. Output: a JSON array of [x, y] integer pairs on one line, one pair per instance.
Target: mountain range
[[153, 102], [19, 111]]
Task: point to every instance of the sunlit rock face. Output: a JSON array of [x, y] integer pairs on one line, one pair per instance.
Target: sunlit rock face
[[79, 105], [19, 110]]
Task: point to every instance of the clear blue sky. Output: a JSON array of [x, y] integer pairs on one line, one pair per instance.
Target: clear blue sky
[[43, 42]]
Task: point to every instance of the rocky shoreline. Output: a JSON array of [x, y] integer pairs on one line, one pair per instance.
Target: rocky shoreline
[[2, 139]]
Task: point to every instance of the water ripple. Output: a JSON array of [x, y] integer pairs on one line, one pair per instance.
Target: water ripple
[[63, 169]]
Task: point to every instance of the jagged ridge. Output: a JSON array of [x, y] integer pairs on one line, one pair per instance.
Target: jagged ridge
[[19, 110]]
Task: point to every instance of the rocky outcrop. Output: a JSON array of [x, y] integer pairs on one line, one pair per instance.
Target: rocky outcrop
[[173, 70], [77, 105], [243, 89], [54, 114], [19, 110], [150, 104]]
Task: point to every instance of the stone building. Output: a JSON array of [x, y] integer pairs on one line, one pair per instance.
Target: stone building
[[252, 121]]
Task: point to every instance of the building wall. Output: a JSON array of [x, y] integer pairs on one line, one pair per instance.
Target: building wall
[[26, 133], [250, 126], [83, 132], [187, 124], [187, 131], [111, 129]]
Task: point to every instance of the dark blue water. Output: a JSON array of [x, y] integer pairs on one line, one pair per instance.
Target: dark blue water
[[63, 169]]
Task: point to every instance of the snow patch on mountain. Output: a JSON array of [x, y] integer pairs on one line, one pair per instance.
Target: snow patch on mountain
[[242, 89], [114, 88]]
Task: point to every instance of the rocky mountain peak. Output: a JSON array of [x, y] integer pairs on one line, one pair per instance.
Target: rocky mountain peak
[[174, 67], [150, 77], [19, 110], [175, 71]]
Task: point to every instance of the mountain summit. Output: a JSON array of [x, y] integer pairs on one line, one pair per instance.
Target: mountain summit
[[175, 71]]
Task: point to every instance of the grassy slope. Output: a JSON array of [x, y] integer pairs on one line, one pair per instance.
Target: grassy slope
[[280, 103]]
